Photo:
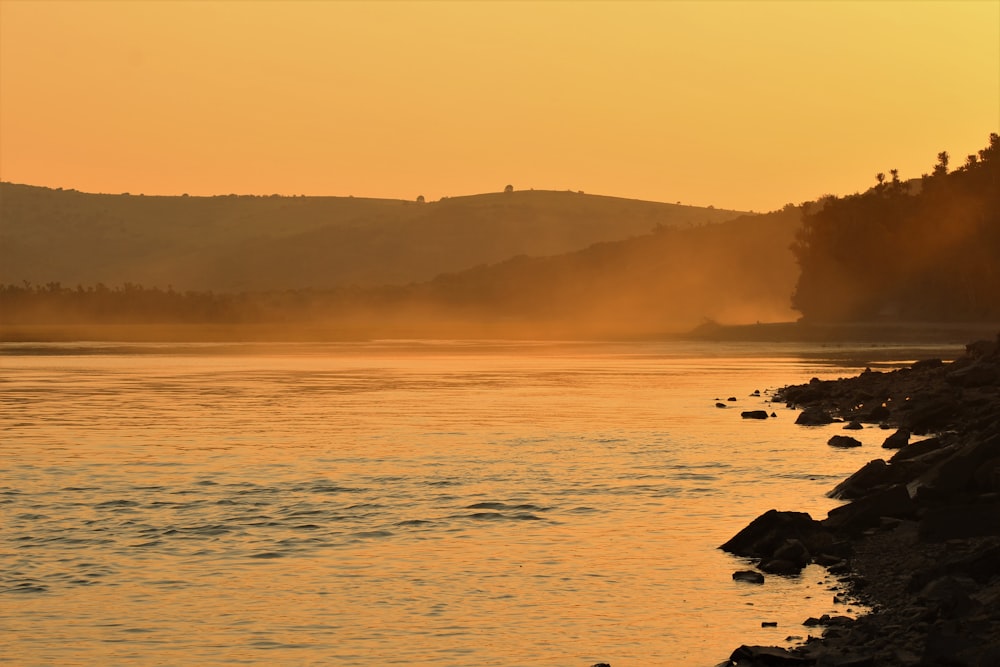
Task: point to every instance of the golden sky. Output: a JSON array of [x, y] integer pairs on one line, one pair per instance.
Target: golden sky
[[745, 105]]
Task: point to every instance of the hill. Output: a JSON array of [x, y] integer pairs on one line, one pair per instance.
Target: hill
[[250, 243], [668, 281]]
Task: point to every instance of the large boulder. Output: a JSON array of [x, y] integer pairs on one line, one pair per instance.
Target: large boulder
[[866, 512], [871, 476], [956, 474], [898, 440], [843, 441], [766, 656], [766, 534], [813, 416]]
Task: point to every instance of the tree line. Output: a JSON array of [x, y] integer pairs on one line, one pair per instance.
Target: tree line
[[927, 250]]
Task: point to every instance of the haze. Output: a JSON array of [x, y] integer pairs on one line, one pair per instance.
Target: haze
[[744, 105]]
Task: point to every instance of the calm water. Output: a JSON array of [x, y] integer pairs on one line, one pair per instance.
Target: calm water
[[401, 503]]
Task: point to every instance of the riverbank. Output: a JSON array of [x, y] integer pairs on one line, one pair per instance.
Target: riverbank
[[919, 541], [844, 332]]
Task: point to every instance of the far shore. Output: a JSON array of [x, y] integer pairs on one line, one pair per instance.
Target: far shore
[[920, 333], [949, 333]]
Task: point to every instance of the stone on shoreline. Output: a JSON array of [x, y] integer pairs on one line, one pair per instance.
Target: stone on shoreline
[[748, 576], [754, 414], [898, 440], [843, 441], [919, 543], [814, 417]]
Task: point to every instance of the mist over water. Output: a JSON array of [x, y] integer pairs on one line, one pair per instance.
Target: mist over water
[[402, 503]]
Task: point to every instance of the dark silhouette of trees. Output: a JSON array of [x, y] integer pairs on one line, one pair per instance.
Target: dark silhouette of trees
[[888, 253], [508, 189]]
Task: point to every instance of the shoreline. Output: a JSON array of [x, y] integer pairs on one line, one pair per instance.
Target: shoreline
[[918, 543], [354, 330]]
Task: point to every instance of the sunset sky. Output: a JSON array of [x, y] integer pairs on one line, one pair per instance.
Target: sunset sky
[[745, 105]]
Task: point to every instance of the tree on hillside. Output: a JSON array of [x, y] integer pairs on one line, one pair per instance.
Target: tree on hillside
[[891, 255]]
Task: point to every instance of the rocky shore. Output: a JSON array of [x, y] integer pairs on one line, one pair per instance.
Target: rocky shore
[[919, 541]]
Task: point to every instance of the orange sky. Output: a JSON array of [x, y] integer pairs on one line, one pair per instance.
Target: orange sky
[[743, 105]]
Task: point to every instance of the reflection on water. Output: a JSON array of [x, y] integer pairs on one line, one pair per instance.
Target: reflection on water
[[499, 504]]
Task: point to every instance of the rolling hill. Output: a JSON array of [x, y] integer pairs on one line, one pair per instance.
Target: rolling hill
[[249, 243]]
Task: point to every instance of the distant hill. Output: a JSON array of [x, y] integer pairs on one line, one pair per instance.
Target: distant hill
[[739, 271], [252, 243]]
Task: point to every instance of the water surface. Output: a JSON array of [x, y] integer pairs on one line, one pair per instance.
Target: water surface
[[401, 502]]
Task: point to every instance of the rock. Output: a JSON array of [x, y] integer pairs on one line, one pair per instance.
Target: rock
[[874, 474], [854, 426], [865, 512], [938, 524], [766, 656], [930, 413], [927, 364], [814, 417], [768, 532], [898, 440], [957, 472], [780, 566], [768, 624], [749, 576], [794, 551], [948, 596], [843, 441], [877, 414], [601, 664], [917, 449], [731, 399], [754, 414], [978, 375], [720, 405]]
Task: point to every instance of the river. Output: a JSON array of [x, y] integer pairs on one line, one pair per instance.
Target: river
[[404, 502]]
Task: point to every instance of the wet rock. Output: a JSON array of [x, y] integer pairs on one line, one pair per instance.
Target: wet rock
[[794, 551], [813, 416], [873, 475], [957, 472], [854, 426], [898, 440], [768, 532], [766, 656], [843, 441], [754, 414], [748, 576], [780, 566], [731, 399], [918, 449], [866, 512]]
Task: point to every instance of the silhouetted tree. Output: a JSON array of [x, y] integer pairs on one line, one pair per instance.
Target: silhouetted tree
[[889, 254], [508, 189]]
